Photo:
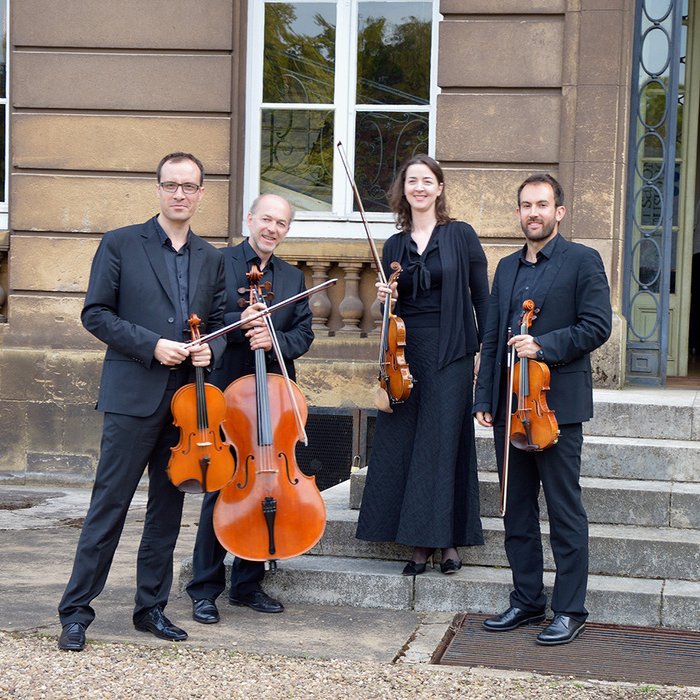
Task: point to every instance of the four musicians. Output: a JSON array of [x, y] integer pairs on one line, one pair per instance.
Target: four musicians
[[422, 487]]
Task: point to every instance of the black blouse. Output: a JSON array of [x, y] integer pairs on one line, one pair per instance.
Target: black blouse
[[464, 285]]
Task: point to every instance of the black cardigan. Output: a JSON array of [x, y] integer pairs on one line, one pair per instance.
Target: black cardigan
[[465, 286]]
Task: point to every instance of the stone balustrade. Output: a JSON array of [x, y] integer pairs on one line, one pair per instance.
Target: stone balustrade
[[349, 309]]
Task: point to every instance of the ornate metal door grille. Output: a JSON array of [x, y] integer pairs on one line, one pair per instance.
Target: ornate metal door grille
[[650, 189]]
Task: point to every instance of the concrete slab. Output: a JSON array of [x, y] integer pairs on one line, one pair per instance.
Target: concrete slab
[[38, 544]]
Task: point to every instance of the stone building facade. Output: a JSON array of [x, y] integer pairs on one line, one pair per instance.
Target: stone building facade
[[100, 91]]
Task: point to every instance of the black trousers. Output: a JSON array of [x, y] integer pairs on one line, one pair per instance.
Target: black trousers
[[558, 470], [129, 443], [208, 570]]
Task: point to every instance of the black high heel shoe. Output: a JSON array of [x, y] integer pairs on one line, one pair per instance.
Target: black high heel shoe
[[450, 566], [413, 568]]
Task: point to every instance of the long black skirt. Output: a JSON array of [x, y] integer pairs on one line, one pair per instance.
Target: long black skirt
[[422, 488]]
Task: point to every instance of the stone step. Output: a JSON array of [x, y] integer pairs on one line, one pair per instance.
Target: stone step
[[376, 583], [607, 501], [620, 457], [616, 550], [649, 413]]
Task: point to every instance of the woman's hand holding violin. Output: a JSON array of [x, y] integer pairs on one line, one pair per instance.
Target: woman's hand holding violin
[[384, 289]]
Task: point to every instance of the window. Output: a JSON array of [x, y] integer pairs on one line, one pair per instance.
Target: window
[[362, 72], [4, 126]]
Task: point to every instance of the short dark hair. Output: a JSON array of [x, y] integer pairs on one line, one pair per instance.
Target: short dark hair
[[544, 179], [178, 157], [398, 202]]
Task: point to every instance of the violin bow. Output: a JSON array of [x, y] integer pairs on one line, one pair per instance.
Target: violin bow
[[283, 367], [509, 419], [263, 312], [383, 341], [363, 216]]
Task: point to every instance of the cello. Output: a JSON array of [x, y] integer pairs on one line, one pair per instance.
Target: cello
[[270, 510], [200, 461], [530, 424], [395, 379]]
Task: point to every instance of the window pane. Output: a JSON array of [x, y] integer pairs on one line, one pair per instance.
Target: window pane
[[2, 154], [384, 140], [393, 53], [299, 60], [296, 158], [3, 72]]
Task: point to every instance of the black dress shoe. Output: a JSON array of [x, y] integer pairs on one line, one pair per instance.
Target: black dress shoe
[[155, 622], [512, 618], [450, 566], [257, 600], [205, 611], [561, 630], [72, 637]]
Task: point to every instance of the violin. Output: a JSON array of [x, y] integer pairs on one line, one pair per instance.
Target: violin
[[395, 377], [530, 424], [200, 461], [270, 510]]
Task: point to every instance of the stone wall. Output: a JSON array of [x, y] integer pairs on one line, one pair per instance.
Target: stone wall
[[98, 97]]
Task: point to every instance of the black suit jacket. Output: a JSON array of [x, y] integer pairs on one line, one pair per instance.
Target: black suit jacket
[[292, 323], [129, 306], [574, 319]]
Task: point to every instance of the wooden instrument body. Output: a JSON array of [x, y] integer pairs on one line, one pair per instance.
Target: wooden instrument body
[[533, 425], [266, 472]]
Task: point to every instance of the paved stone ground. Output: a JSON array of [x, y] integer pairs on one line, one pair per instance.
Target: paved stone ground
[[307, 652]]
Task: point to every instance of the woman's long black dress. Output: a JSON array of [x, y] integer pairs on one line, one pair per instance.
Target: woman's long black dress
[[422, 487]]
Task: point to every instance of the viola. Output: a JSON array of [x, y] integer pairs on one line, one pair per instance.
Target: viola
[[530, 424], [395, 377], [270, 510], [200, 461]]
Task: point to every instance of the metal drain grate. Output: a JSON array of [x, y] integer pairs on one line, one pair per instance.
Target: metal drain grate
[[602, 652]]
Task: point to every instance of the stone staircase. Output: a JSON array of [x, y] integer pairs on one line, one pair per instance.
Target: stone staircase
[[641, 483]]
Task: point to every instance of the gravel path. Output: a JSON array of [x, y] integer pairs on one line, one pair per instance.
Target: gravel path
[[31, 666]]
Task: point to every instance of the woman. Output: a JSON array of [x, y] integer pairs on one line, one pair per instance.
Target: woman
[[422, 488]]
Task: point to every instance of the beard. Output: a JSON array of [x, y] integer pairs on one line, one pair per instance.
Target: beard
[[548, 228]]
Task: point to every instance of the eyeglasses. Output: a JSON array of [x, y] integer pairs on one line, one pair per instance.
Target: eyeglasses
[[187, 187]]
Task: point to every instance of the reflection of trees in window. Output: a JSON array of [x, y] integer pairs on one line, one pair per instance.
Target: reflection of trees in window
[[298, 67], [383, 141], [393, 61], [297, 156]]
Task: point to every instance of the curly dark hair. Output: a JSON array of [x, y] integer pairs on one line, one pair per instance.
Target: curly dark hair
[[398, 202]]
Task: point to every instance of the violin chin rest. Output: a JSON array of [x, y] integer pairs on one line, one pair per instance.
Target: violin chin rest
[[381, 400]]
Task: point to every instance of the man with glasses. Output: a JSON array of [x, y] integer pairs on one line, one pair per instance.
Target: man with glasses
[[145, 282]]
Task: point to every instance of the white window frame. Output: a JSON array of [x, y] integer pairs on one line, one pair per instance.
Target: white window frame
[[341, 222], [4, 105]]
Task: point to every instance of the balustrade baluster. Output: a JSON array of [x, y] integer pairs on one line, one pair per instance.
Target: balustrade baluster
[[320, 303], [351, 308]]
